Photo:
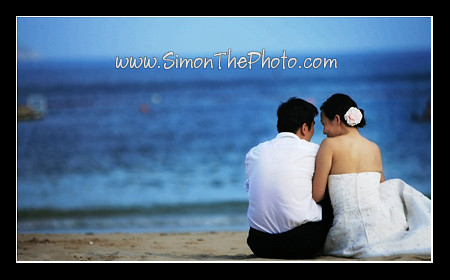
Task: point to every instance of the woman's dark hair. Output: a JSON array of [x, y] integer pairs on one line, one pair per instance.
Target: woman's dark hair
[[338, 104], [293, 113]]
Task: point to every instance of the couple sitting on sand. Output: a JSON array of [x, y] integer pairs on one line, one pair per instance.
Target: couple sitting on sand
[[306, 200]]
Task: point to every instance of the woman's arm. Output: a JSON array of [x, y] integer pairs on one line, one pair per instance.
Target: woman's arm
[[324, 160]]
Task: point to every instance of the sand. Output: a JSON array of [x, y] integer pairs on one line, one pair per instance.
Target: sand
[[151, 247]]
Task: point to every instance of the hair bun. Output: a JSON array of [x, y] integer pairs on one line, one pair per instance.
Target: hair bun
[[363, 120], [340, 104]]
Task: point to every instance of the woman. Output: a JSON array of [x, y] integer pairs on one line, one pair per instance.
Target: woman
[[372, 217]]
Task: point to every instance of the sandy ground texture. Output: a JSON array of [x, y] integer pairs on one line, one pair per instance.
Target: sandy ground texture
[[172, 247]]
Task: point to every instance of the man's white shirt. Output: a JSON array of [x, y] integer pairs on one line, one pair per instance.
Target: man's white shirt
[[279, 184]]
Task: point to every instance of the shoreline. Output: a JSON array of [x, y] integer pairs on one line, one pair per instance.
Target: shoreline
[[156, 247]]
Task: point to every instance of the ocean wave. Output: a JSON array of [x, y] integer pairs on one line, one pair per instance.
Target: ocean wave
[[228, 207], [230, 216]]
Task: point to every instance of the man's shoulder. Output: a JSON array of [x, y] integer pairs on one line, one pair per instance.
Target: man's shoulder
[[311, 146], [265, 143], [296, 144], [257, 149]]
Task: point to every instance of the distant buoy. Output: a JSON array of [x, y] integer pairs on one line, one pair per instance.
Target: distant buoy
[[156, 98], [144, 108]]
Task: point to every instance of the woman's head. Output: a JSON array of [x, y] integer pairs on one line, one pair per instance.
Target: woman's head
[[336, 112]]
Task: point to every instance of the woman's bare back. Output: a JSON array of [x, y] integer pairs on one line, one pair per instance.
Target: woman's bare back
[[352, 153]]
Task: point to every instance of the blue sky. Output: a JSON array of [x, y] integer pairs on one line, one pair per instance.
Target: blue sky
[[85, 38]]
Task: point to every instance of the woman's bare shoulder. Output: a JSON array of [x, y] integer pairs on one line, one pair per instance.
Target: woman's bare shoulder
[[329, 144], [341, 142], [372, 145], [331, 141]]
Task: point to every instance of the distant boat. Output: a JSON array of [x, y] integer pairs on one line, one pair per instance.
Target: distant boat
[[36, 108], [424, 116]]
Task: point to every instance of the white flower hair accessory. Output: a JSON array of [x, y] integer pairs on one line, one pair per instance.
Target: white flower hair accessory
[[353, 116]]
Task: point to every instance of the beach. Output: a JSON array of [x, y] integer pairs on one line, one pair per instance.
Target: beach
[[156, 247]]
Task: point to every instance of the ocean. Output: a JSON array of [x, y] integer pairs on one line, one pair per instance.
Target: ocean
[[163, 150]]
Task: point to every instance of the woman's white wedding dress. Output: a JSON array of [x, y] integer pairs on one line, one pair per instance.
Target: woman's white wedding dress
[[377, 219]]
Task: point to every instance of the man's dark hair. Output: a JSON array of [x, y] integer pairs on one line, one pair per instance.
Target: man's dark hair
[[293, 113]]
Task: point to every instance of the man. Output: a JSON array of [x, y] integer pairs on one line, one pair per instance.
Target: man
[[285, 221]]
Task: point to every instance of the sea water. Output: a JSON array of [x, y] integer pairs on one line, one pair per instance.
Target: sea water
[[162, 150]]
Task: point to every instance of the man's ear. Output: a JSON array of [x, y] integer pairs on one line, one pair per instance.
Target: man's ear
[[304, 129]]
